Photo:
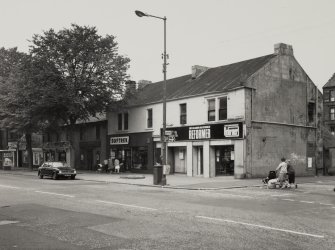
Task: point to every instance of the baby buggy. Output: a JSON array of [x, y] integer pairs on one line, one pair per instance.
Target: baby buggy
[[272, 181]]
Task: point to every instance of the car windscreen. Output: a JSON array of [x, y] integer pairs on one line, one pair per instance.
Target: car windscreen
[[59, 164]]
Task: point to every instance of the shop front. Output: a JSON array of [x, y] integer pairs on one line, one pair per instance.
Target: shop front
[[134, 151], [56, 151], [206, 150]]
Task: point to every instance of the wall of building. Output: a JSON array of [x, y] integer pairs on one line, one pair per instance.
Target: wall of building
[[197, 113], [277, 122]]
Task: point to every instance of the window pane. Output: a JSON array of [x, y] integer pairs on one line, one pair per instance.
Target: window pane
[[332, 95], [183, 114], [211, 110], [119, 118], [149, 121], [125, 121], [211, 115], [326, 96], [223, 108]]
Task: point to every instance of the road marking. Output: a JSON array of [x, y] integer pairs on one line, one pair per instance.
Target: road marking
[[6, 222], [326, 204], [126, 205], [279, 195], [309, 202], [66, 195], [4, 186], [261, 226], [288, 200]]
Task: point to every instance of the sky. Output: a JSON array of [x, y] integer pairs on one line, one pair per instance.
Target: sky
[[199, 32]]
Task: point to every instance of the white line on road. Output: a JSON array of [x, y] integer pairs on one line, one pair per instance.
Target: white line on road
[[6, 222], [326, 204], [66, 195], [288, 200], [261, 226], [4, 186], [127, 205], [279, 195], [309, 202]]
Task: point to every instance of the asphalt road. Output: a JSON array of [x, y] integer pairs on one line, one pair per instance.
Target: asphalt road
[[77, 214]]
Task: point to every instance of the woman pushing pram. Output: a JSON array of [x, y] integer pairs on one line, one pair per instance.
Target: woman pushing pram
[[285, 173]]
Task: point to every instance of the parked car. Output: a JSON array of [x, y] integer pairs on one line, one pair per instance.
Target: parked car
[[56, 169]]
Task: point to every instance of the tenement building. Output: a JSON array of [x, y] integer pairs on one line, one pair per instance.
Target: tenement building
[[239, 119]]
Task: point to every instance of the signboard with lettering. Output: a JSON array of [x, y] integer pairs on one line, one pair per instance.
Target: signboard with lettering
[[119, 140], [206, 132]]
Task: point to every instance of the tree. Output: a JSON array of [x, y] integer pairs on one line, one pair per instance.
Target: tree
[[92, 72], [26, 106]]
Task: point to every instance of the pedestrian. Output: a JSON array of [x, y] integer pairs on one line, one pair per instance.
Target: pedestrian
[[117, 165], [282, 171], [106, 165], [291, 174], [110, 165]]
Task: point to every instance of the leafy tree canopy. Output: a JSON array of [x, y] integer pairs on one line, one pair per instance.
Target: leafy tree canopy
[[92, 73]]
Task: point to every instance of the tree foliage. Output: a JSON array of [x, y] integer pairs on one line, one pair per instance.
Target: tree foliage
[[91, 70]]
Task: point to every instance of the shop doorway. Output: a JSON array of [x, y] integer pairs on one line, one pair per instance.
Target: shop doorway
[[224, 160]]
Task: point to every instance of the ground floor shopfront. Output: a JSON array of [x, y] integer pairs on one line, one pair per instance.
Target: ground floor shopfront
[[206, 150], [134, 151]]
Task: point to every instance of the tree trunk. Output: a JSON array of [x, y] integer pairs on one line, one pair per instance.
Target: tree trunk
[[29, 150]]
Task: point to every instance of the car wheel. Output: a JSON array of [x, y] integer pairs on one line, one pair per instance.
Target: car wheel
[[54, 176], [73, 177], [40, 175]]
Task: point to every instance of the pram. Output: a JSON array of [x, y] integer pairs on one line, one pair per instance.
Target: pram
[[272, 181]]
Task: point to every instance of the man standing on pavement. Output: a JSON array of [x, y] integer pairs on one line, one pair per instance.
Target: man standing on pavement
[[282, 170]]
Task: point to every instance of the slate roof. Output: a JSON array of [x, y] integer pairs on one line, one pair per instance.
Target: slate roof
[[214, 80], [331, 82]]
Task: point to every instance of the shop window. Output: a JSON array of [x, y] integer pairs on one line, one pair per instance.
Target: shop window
[[140, 158], [211, 110], [119, 121], [223, 108], [125, 121], [326, 95], [311, 108], [149, 118], [332, 114], [183, 114]]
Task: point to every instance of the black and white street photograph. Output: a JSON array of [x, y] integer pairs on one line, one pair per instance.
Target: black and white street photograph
[[159, 125]]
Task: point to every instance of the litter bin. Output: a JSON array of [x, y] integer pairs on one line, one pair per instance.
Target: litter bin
[[158, 174]]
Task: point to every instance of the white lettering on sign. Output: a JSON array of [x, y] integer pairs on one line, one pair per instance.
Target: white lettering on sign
[[119, 140], [197, 133], [231, 130]]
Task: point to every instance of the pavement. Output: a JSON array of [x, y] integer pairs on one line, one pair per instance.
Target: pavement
[[175, 181]]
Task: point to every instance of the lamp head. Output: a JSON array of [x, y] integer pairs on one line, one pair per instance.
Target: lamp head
[[140, 13]]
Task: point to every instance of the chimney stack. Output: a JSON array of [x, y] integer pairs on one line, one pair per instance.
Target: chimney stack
[[198, 70], [283, 49], [143, 83], [131, 85]]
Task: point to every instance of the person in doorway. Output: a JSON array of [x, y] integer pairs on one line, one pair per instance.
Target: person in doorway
[[117, 165], [291, 174], [282, 171]]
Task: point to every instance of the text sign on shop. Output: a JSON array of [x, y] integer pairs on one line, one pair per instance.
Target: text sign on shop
[[200, 132], [119, 140], [207, 132], [231, 130]]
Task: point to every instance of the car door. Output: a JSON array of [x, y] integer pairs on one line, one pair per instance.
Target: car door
[[43, 169]]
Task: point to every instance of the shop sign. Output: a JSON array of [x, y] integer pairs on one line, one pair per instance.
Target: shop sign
[[207, 132], [119, 140]]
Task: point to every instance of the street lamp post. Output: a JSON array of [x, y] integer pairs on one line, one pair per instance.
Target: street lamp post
[[163, 138]]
